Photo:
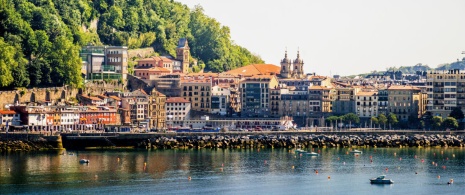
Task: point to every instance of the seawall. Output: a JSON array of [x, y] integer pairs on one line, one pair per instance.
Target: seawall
[[264, 140], [14, 142]]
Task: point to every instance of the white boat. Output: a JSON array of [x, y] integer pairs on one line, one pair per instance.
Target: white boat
[[298, 151], [381, 180], [311, 154], [83, 161], [356, 152]]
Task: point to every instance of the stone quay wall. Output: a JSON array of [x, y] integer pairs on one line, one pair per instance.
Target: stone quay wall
[[28, 142], [304, 141]]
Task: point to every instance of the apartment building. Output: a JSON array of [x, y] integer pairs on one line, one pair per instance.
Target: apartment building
[[445, 91], [157, 103], [367, 104], [255, 92], [105, 62], [404, 101], [177, 110], [197, 90], [220, 100]]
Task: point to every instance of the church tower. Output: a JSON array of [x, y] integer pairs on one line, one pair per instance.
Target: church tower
[[298, 67], [182, 54], [285, 67]]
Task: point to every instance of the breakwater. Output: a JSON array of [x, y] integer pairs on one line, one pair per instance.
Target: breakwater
[[308, 141], [28, 142]]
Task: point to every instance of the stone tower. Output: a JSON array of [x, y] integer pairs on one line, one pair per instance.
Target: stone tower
[[298, 71], [285, 67], [182, 54]]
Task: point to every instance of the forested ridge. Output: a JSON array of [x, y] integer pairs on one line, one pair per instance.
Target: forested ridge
[[40, 39]]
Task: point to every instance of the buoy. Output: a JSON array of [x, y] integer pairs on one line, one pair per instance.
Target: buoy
[[447, 158], [316, 171], [329, 177], [371, 157], [118, 159], [265, 161], [432, 163], [387, 169], [422, 160], [371, 161], [293, 167], [395, 154], [344, 163], [189, 178], [337, 158], [453, 155], [222, 164], [400, 158], [415, 156], [416, 173], [145, 164], [439, 177]]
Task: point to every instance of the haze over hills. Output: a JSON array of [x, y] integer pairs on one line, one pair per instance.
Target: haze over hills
[[40, 39]]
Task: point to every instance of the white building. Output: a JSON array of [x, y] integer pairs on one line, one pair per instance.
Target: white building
[[220, 100], [366, 104], [9, 116], [69, 117], [177, 110]]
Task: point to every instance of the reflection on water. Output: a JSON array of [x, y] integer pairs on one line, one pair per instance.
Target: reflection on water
[[272, 171]]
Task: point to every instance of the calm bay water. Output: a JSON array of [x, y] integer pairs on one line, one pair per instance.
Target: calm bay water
[[234, 171]]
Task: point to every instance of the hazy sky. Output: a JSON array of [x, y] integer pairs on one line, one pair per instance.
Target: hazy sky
[[345, 36]]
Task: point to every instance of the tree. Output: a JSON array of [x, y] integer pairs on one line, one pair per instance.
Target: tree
[[450, 123], [351, 118], [331, 120], [457, 113], [374, 121], [382, 120], [436, 122], [392, 119]]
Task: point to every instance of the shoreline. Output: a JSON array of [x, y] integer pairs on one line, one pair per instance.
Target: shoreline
[[242, 140]]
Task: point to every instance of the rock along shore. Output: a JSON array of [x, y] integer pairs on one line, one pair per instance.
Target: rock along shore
[[303, 141], [24, 145]]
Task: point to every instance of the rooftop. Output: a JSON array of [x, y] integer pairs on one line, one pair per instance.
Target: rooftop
[[255, 69], [176, 100]]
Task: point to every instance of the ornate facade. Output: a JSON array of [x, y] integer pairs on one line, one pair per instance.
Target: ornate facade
[[291, 69]]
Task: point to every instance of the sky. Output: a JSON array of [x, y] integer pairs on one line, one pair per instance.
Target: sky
[[345, 37]]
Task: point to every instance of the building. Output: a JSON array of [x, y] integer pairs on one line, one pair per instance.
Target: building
[[183, 54], [156, 66], [344, 101], [157, 104], [255, 92], [367, 104], [10, 117], [255, 69], [137, 102], [445, 91], [178, 110], [197, 90], [404, 101], [383, 101], [220, 100], [291, 69], [105, 62], [293, 102]]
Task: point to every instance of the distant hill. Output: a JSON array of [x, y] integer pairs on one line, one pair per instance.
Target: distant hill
[[459, 64], [40, 39]]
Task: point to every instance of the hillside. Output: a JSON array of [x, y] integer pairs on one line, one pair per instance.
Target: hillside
[[40, 39]]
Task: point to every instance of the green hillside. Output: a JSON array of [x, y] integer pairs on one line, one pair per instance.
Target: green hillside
[[40, 39]]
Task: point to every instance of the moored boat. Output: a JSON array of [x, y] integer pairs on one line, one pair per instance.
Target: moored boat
[[84, 161], [381, 180], [356, 152], [312, 154], [298, 151]]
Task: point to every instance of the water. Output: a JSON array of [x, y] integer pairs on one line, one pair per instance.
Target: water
[[241, 171]]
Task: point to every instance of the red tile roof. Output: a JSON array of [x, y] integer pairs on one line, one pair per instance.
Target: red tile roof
[[255, 69], [402, 87], [7, 112], [176, 100]]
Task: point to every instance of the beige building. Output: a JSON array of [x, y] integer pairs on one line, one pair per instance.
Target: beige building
[[157, 102], [445, 91], [197, 90], [404, 101], [367, 104]]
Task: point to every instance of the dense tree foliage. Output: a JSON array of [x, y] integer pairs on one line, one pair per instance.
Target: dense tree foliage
[[450, 123], [41, 38]]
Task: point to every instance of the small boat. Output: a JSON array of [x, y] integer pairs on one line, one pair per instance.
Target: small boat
[[312, 154], [298, 151], [356, 152], [381, 180], [83, 161]]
